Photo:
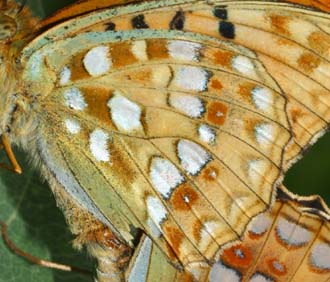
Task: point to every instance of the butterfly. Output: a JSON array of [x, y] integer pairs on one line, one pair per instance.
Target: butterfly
[[172, 119]]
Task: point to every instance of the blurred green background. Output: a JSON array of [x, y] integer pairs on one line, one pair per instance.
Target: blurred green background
[[38, 227]]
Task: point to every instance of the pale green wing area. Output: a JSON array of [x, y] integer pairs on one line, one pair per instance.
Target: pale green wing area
[[150, 265]]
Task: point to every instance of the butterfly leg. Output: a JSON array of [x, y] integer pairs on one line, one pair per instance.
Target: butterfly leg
[[111, 254], [5, 144]]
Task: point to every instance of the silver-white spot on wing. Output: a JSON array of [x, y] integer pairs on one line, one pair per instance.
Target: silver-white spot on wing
[[243, 65], [190, 105], [206, 134], [165, 176], [292, 234], [157, 211], [263, 98], [97, 61], [65, 76], [184, 50], [264, 133], [192, 156], [99, 145], [192, 78], [220, 272], [124, 113], [74, 99], [320, 256], [72, 126]]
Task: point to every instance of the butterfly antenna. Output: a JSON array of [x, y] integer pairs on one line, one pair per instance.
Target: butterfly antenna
[[35, 260]]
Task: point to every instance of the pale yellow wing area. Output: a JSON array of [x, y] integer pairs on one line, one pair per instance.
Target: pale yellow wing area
[[290, 242]]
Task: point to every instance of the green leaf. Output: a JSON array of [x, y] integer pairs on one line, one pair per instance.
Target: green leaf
[[36, 226], [310, 175]]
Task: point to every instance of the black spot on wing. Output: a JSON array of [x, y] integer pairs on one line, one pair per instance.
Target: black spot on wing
[[227, 30], [138, 22], [221, 13], [178, 21], [110, 26]]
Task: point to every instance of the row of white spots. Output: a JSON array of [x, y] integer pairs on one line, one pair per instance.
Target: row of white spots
[[187, 104], [260, 224], [192, 156], [244, 65], [99, 145], [97, 61], [292, 234], [139, 50], [72, 126], [263, 98], [184, 50], [74, 99], [124, 113], [65, 76], [264, 133], [192, 78], [206, 134], [320, 256], [157, 214], [98, 140], [165, 176]]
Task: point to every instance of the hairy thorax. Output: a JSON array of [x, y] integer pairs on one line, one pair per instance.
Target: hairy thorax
[[16, 27]]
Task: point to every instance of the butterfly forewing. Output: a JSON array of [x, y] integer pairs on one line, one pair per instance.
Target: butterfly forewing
[[293, 44]]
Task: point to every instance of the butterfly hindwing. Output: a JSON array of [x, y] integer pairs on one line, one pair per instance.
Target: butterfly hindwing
[[289, 242]]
